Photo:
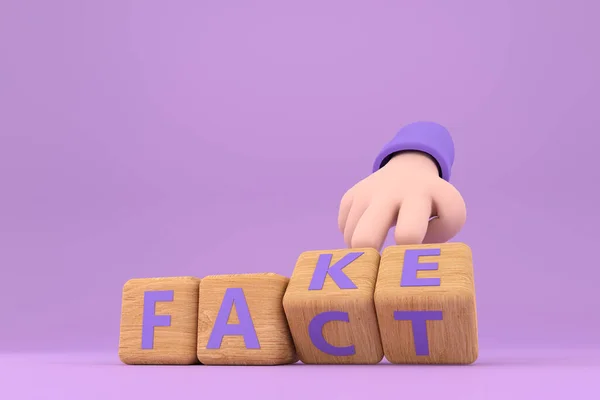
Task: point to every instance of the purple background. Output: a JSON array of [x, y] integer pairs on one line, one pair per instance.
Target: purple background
[[154, 138], [143, 139]]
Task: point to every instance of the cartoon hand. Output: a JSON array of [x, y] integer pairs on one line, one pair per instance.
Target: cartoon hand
[[408, 188]]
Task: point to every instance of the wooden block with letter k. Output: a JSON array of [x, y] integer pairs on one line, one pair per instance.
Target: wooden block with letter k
[[425, 301], [330, 309]]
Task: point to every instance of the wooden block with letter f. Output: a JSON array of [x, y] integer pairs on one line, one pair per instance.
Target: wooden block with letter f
[[330, 309], [159, 320], [425, 301]]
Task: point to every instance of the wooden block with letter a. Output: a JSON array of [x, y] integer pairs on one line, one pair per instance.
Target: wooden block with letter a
[[241, 321], [425, 300], [330, 309], [159, 320]]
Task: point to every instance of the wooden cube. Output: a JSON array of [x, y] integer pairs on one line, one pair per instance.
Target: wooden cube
[[241, 321], [159, 319], [425, 301], [330, 309]]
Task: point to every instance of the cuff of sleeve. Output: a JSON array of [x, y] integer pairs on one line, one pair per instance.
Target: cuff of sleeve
[[427, 137]]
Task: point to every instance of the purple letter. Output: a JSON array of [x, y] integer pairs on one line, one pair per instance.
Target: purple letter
[[335, 271], [411, 266], [234, 297], [315, 331], [419, 327], [150, 319]]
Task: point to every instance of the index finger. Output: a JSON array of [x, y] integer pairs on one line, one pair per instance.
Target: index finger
[[413, 220], [345, 207]]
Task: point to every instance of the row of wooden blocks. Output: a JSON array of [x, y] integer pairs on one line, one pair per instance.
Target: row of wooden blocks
[[411, 304]]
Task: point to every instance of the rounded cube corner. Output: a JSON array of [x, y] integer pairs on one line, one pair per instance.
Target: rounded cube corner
[[463, 247], [130, 283], [125, 358], [389, 250], [201, 359], [191, 279], [474, 359], [382, 294], [371, 251], [191, 359], [287, 301], [363, 297], [463, 296], [278, 279]]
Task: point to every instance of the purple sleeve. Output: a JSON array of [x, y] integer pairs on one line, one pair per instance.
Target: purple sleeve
[[427, 137]]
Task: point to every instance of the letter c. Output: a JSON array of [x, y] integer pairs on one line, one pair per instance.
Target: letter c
[[315, 331]]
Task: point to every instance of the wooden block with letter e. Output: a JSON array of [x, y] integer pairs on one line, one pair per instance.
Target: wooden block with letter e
[[159, 320], [241, 321], [425, 300], [330, 309]]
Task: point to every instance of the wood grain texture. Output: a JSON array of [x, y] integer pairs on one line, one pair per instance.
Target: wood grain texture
[[453, 340], [263, 294], [174, 344], [302, 305]]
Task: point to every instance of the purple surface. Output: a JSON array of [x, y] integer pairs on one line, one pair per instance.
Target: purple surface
[[503, 375]]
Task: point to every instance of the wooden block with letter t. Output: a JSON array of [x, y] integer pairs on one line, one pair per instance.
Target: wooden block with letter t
[[425, 301], [330, 309], [241, 321], [159, 320]]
